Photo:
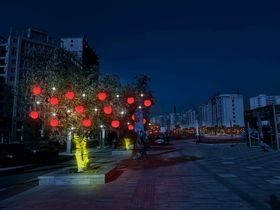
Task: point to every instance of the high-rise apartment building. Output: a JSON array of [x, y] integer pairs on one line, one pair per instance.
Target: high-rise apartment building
[[12, 64], [84, 53], [205, 115], [263, 100], [227, 110]]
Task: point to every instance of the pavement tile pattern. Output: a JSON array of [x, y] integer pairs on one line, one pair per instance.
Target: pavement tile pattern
[[228, 177]]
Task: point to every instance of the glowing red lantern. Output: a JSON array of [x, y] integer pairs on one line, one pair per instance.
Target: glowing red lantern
[[133, 117], [130, 100], [115, 123], [70, 95], [87, 123], [147, 103], [144, 121], [79, 109], [54, 122], [36, 90], [130, 127], [102, 96], [54, 101], [107, 109], [34, 115]]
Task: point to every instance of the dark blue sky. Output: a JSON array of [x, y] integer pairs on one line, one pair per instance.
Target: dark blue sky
[[191, 49]]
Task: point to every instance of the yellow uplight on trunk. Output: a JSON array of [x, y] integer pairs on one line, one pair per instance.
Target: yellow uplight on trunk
[[127, 143], [81, 152]]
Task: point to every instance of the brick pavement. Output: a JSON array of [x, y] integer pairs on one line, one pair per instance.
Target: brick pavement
[[226, 178]]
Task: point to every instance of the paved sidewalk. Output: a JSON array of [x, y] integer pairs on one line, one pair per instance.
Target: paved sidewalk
[[233, 178]]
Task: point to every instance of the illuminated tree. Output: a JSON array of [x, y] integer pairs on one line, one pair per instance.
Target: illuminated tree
[[65, 100]]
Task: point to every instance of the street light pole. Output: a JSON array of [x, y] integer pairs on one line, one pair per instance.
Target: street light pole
[[69, 142], [249, 134], [276, 128]]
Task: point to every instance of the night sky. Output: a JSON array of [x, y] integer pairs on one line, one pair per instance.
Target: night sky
[[191, 49]]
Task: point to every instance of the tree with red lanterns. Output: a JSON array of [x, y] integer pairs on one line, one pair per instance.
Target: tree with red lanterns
[[63, 100]]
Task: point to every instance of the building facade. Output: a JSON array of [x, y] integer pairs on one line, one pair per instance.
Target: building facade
[[17, 45], [205, 115], [190, 119], [222, 110], [161, 120], [81, 48], [13, 63], [263, 100], [183, 120], [228, 110], [5, 94]]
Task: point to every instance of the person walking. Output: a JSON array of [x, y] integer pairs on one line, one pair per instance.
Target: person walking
[[166, 137], [137, 147], [143, 139]]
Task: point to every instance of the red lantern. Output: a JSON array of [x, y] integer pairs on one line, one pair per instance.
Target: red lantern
[[34, 115], [133, 117], [130, 100], [102, 96], [115, 123], [144, 121], [70, 95], [54, 101], [36, 90], [87, 123], [107, 110], [130, 127], [54, 122], [79, 109], [147, 103]]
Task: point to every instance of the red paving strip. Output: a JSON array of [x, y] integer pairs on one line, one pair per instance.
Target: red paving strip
[[154, 161], [219, 141], [161, 148]]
